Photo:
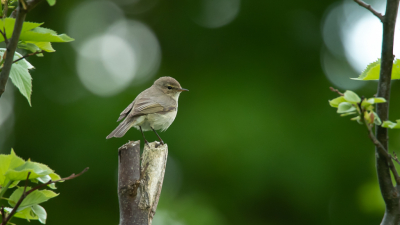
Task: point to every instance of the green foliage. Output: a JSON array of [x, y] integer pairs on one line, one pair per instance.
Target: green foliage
[[350, 103], [33, 38], [390, 124], [373, 69], [13, 169], [51, 2], [20, 75]]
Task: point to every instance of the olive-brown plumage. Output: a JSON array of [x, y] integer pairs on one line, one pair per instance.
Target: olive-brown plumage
[[153, 109]]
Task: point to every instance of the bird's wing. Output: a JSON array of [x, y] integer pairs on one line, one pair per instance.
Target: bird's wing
[[146, 106], [126, 111], [149, 105]]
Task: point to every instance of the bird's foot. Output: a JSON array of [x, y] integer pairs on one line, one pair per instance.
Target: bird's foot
[[147, 143]]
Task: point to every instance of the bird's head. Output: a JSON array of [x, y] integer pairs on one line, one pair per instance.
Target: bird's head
[[169, 86]]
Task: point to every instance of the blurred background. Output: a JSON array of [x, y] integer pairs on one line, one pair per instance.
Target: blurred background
[[255, 140]]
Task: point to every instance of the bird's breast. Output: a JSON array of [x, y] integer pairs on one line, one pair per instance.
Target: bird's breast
[[157, 121]]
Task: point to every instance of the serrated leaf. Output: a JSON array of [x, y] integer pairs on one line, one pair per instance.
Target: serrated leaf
[[373, 69], [35, 169], [40, 34], [345, 107], [336, 101], [351, 97], [9, 23], [34, 198], [51, 2], [20, 75], [8, 162]]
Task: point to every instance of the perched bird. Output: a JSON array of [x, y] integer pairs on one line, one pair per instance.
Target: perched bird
[[153, 109]]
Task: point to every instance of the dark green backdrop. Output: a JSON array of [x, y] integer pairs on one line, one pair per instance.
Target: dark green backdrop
[[254, 142]]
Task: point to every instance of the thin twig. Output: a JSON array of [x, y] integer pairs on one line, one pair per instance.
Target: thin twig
[[26, 182], [336, 90], [23, 196], [384, 152], [27, 55], [369, 7], [395, 158], [4, 35]]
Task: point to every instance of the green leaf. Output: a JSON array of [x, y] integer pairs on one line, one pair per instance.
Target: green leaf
[[336, 101], [47, 178], [51, 2], [34, 198], [376, 100], [40, 212], [377, 120], [36, 46], [35, 212], [40, 34], [20, 75], [390, 124], [345, 107], [35, 169], [347, 114], [28, 46], [373, 69], [8, 162], [46, 46], [9, 23], [351, 97], [25, 213]]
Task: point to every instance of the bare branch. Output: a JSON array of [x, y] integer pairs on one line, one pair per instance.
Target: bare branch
[[384, 152], [390, 195], [369, 7], [337, 91], [27, 55]]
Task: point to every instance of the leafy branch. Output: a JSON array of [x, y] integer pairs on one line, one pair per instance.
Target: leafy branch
[[24, 35], [13, 42], [25, 200], [26, 193]]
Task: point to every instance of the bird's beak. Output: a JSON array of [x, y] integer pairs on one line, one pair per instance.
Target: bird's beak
[[182, 89]]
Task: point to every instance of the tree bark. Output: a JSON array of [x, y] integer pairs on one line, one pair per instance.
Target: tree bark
[[390, 193], [139, 187]]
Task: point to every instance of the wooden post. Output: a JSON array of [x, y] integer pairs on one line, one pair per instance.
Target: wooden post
[[139, 187]]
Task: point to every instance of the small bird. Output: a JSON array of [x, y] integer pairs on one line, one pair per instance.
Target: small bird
[[153, 109]]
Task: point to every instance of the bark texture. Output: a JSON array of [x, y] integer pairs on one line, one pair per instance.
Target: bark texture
[[139, 187], [390, 193]]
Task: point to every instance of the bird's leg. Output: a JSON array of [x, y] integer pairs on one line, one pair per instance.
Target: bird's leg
[[162, 142], [145, 141]]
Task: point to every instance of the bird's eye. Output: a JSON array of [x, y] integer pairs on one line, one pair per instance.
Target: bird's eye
[[169, 87]]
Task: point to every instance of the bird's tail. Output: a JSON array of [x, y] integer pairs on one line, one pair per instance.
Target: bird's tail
[[122, 128]]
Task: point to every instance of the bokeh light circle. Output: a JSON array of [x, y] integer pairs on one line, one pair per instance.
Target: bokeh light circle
[[217, 13]]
